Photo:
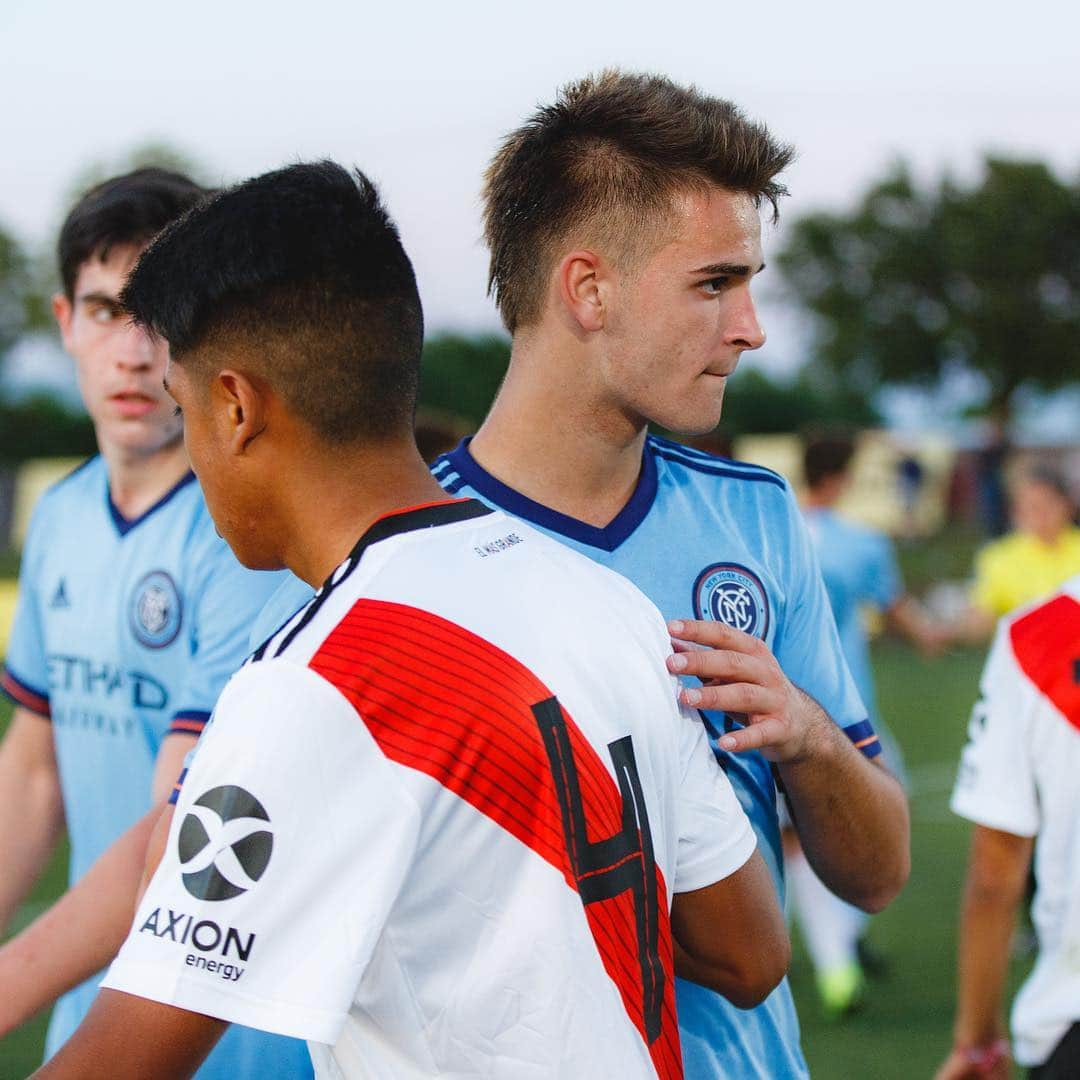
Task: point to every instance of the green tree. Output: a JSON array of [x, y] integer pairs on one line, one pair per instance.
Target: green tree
[[914, 280], [755, 404], [460, 374], [18, 302]]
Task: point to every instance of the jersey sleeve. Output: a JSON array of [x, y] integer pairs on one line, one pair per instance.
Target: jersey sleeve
[[715, 837], [807, 644], [225, 599], [995, 785], [25, 674], [290, 842]]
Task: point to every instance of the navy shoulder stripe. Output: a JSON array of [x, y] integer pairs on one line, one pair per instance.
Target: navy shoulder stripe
[[719, 467], [692, 455]]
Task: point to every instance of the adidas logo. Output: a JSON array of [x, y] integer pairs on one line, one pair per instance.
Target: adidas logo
[[60, 597]]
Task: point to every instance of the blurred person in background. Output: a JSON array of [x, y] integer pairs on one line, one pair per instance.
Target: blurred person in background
[[1018, 785], [859, 567], [132, 614], [1041, 552]]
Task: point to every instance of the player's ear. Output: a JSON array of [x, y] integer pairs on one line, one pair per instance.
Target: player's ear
[[581, 281], [244, 406], [62, 309]]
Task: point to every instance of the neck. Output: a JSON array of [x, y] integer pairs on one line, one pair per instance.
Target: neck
[[330, 502], [553, 435], [138, 480]]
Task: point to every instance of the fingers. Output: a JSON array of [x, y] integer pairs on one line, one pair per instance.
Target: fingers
[[723, 664], [715, 635], [759, 735], [748, 698]]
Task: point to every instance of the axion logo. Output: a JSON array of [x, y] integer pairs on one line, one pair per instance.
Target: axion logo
[[224, 844]]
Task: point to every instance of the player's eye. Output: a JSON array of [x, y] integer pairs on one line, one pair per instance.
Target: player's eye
[[715, 285], [105, 314], [176, 411]]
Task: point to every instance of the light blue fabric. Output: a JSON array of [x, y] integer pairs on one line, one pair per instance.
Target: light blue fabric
[[127, 630], [859, 567]]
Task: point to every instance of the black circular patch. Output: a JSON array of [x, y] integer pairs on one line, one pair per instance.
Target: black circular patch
[[225, 849]]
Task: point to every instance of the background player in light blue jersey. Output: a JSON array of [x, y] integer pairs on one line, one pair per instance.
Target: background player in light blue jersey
[[132, 614], [859, 568], [623, 227]]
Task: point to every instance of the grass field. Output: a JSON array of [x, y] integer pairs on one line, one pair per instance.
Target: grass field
[[903, 1030]]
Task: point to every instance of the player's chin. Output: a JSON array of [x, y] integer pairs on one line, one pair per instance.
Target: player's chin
[[143, 434], [693, 417]]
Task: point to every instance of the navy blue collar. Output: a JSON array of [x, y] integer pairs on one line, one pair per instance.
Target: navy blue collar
[[506, 498], [125, 525]]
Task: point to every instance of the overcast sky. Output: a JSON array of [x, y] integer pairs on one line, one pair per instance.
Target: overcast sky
[[418, 94]]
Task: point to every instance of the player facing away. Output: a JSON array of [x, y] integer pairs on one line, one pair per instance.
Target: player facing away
[[623, 226], [449, 819], [132, 612], [859, 568], [1017, 784]]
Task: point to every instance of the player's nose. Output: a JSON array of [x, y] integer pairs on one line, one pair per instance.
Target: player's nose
[[138, 351], [745, 330]]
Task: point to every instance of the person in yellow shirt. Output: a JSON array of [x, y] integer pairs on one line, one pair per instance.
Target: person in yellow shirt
[[1041, 552]]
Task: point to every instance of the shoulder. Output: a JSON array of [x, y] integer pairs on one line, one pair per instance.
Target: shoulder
[[1002, 551], [83, 480], [1046, 635], [676, 458]]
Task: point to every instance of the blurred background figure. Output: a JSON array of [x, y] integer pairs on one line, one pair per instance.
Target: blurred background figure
[[990, 460], [910, 475], [1041, 552], [860, 569]]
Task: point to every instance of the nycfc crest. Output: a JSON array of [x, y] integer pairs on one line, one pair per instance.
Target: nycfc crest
[[155, 610], [731, 594]]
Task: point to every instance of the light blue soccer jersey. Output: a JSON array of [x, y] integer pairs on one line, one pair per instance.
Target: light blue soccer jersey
[[859, 567], [708, 538], [124, 632]]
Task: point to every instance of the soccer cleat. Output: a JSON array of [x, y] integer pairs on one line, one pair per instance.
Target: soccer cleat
[[841, 990]]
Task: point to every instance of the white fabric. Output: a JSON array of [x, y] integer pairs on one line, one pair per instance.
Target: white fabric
[[1019, 774], [395, 924]]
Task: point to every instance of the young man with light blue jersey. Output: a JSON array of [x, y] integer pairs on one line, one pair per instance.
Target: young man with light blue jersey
[[132, 614], [624, 231]]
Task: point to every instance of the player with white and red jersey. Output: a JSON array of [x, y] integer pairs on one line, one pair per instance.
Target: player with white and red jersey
[[461, 794], [450, 819], [1018, 784]]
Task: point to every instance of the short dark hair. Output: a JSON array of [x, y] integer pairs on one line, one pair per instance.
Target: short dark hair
[[825, 456], [129, 209], [301, 274], [608, 156]]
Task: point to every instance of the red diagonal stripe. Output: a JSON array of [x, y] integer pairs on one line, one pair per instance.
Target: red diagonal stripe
[[1046, 643], [447, 703]]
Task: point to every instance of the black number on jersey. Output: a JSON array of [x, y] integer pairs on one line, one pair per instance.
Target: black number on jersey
[[624, 861]]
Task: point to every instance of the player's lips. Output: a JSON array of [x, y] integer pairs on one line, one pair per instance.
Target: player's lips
[[133, 403]]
